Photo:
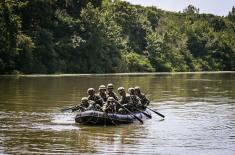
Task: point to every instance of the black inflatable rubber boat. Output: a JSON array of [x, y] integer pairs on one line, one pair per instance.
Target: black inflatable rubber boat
[[92, 117]]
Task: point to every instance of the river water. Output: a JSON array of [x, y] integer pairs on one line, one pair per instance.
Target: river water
[[199, 110]]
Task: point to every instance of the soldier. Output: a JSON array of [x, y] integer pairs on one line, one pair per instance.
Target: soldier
[[83, 105], [84, 102], [93, 97], [94, 106], [102, 93], [110, 92], [144, 101], [111, 106], [136, 100], [125, 100]]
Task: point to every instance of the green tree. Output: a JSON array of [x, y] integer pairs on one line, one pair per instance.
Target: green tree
[[9, 29], [101, 41], [133, 62], [231, 15], [191, 10]]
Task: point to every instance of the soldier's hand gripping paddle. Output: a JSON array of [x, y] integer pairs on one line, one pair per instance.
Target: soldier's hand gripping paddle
[[74, 108], [66, 109], [131, 113], [154, 110]]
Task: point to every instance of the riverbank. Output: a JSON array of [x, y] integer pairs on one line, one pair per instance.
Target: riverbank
[[135, 73]]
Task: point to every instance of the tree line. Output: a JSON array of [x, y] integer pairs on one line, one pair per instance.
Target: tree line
[[104, 36]]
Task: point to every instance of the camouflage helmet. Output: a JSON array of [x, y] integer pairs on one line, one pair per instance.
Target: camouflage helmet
[[84, 99], [137, 88], [111, 99], [110, 86], [121, 89], [102, 87], [91, 102], [131, 90], [90, 90]]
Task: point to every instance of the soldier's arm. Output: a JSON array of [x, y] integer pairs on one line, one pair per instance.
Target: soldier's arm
[[130, 101], [99, 100], [115, 96], [146, 101], [78, 107]]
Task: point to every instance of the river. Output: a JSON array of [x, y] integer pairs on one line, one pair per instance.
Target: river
[[199, 110]]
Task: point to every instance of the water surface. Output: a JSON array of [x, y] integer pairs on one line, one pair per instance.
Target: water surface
[[199, 110]]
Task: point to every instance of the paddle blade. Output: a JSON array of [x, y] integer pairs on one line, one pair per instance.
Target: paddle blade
[[157, 113]]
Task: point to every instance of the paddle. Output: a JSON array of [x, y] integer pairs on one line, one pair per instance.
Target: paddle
[[156, 112], [147, 115], [66, 109], [131, 113], [74, 108], [106, 114]]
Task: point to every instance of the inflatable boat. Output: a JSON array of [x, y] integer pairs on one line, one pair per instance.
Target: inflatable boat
[[92, 117]]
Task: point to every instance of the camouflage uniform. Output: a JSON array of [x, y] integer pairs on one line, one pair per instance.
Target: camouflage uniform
[[125, 101], [144, 101], [94, 106], [111, 106], [135, 99], [110, 92], [94, 97], [83, 105], [102, 93], [84, 102]]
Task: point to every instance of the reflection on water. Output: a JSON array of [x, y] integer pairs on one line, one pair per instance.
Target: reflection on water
[[199, 109]]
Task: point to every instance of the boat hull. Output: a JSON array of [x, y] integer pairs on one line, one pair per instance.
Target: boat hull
[[92, 117]]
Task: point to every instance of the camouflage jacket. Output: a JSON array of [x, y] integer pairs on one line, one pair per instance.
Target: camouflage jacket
[[104, 96], [113, 94], [136, 100], [143, 99], [97, 99], [126, 100], [111, 107]]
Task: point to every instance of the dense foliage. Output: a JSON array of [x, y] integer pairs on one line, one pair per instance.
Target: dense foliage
[[103, 36]]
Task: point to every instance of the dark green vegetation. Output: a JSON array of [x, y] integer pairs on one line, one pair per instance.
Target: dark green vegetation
[[99, 36]]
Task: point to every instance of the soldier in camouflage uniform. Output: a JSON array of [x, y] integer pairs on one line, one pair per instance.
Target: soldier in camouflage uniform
[[111, 106], [135, 99], [102, 93], [144, 101], [110, 92], [125, 100], [93, 97], [84, 102], [94, 106], [83, 105]]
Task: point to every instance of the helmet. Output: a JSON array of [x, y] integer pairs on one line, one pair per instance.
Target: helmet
[[111, 99], [121, 89], [91, 102], [84, 99], [137, 88], [90, 90], [110, 85], [131, 90], [102, 87]]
